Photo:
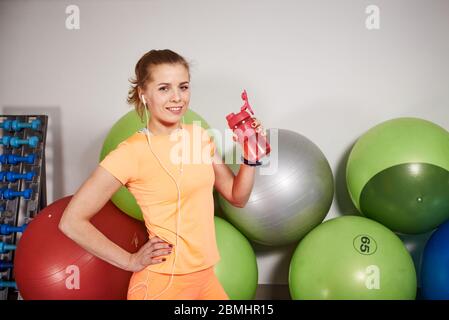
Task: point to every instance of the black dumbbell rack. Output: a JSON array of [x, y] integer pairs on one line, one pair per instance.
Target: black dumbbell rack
[[18, 210]]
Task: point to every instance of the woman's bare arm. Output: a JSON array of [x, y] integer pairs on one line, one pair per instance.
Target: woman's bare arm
[[235, 189], [87, 201]]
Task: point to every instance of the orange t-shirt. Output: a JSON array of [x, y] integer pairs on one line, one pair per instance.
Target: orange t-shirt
[[133, 163]]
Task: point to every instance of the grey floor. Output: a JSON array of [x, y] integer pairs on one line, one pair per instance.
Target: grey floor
[[272, 292]]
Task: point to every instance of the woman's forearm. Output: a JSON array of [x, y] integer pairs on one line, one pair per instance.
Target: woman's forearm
[[92, 240], [243, 184]]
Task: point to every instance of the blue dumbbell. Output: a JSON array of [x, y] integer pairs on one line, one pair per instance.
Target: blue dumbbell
[[17, 142], [4, 265], [2, 208], [10, 194], [8, 284], [17, 126], [14, 159], [6, 125], [6, 229], [14, 176], [5, 140], [6, 247]]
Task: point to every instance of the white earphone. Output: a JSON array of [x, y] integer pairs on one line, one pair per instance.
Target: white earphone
[[147, 132]]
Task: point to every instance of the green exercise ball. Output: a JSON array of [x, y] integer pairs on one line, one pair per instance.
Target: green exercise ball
[[352, 257], [125, 127], [398, 174], [237, 269]]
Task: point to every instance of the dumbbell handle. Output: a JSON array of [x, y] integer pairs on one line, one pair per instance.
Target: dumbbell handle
[[14, 159], [35, 124], [17, 142], [6, 247], [8, 284], [6, 229], [4, 265], [14, 176], [15, 125], [9, 194]]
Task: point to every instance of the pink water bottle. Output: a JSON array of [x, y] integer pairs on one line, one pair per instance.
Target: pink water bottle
[[250, 134]]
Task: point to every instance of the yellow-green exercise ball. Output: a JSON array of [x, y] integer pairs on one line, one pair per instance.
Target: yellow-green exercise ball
[[237, 269], [398, 174], [351, 258]]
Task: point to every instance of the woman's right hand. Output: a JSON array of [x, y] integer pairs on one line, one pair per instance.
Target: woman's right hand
[[150, 253]]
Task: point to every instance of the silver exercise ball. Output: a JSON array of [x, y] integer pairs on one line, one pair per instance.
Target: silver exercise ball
[[290, 201]]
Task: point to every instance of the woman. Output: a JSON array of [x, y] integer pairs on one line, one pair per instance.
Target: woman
[[176, 199]]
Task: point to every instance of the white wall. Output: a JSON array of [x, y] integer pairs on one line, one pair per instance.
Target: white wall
[[310, 66]]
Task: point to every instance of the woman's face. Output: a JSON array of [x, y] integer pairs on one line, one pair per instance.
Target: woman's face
[[168, 94]]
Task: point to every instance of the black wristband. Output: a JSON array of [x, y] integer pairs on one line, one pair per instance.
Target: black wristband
[[250, 163]]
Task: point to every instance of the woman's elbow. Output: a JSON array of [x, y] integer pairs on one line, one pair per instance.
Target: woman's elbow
[[66, 226], [63, 227]]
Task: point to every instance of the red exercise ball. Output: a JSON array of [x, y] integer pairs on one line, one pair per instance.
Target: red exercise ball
[[48, 265]]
